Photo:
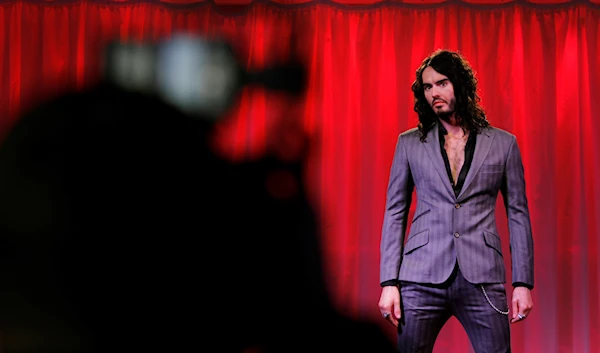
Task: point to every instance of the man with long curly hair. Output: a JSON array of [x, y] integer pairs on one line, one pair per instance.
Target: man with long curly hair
[[451, 263]]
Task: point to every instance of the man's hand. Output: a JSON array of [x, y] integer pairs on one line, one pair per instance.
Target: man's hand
[[389, 304], [521, 304]]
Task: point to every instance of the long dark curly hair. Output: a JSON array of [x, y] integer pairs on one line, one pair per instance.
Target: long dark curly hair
[[469, 112]]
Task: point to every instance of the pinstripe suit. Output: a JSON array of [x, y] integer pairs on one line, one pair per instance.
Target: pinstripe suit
[[455, 238]]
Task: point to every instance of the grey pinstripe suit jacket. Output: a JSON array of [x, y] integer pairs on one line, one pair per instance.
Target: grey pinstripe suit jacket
[[446, 228]]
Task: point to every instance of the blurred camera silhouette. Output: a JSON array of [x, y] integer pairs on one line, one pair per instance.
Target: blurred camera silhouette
[[122, 230]]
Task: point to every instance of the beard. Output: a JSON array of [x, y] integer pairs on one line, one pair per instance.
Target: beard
[[446, 114]]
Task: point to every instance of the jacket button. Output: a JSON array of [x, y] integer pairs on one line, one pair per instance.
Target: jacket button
[[457, 206], [456, 235]]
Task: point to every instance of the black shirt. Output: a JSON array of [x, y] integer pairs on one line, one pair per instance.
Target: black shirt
[[469, 151]]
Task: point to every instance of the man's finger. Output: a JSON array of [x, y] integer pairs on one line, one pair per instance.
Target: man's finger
[[515, 309]]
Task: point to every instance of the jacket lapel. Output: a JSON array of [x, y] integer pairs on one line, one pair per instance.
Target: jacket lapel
[[432, 146], [482, 148]]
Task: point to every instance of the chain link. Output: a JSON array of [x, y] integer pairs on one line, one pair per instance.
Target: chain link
[[493, 306]]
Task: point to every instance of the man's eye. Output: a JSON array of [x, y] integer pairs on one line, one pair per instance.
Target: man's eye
[[443, 83]]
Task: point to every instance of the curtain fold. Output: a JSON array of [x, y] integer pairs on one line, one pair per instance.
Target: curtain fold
[[538, 67]]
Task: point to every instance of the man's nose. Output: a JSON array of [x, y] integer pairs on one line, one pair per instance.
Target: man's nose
[[435, 92]]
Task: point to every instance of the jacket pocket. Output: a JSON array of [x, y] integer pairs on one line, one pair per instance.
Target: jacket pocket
[[493, 241], [491, 168], [416, 241]]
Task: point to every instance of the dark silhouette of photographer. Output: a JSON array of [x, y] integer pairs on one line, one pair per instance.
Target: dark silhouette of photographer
[[121, 229]]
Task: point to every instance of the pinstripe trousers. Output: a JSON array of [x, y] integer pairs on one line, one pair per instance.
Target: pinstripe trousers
[[427, 307]]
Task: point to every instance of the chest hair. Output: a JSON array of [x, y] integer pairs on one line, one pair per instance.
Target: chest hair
[[455, 149]]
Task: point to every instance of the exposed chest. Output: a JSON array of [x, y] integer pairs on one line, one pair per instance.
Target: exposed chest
[[455, 149]]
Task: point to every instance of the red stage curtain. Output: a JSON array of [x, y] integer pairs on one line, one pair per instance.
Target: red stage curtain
[[538, 65]]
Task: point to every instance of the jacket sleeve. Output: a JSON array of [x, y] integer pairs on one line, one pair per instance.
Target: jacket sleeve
[[398, 199], [519, 224]]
